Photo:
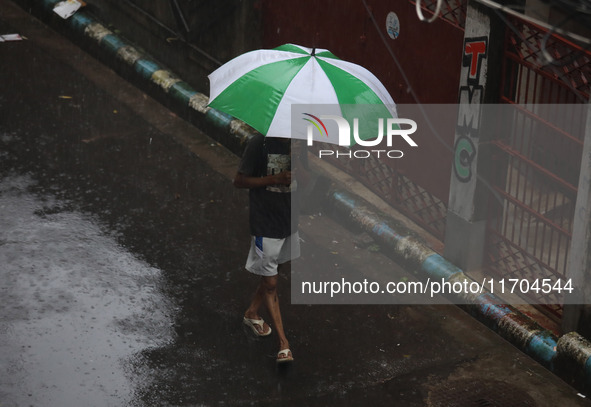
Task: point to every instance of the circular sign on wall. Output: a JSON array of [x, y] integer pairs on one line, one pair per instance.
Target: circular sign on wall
[[392, 25]]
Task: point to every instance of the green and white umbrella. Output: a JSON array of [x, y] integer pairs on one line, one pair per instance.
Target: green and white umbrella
[[260, 87]]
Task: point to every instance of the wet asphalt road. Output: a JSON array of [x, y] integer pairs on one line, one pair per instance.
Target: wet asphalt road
[[122, 243]]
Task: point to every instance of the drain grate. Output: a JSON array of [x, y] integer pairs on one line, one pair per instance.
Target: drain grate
[[478, 393]]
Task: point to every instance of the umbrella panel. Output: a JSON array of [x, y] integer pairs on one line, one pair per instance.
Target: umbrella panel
[[263, 96]]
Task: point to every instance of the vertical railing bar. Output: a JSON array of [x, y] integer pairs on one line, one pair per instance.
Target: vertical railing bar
[[515, 174]]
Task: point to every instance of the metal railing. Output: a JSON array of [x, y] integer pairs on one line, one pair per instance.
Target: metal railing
[[450, 11], [538, 159]]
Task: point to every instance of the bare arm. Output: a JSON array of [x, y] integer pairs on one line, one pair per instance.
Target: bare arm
[[244, 181]]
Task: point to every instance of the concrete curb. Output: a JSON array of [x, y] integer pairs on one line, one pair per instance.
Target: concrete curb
[[568, 356], [512, 325]]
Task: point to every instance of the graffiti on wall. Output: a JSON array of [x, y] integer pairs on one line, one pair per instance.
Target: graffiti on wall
[[470, 100]]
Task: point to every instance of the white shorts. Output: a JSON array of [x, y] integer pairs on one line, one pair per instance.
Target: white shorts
[[266, 253]]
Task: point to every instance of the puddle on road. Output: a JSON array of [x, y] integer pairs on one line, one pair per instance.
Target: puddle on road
[[75, 305]]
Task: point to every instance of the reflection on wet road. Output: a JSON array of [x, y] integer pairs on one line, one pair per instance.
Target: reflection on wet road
[[75, 303]]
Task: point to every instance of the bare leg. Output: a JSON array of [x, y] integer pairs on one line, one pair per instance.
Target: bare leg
[[253, 310], [271, 301]]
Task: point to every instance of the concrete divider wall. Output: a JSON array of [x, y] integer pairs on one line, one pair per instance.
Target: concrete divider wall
[[217, 30], [568, 356]]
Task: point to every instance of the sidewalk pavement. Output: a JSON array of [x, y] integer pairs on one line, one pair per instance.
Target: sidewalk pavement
[[569, 356]]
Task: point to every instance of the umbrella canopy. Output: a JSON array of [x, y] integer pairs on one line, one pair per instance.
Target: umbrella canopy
[[260, 87]]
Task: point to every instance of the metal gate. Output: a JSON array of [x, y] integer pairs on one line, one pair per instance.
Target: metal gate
[[531, 217]]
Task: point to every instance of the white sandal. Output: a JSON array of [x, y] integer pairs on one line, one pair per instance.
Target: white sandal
[[253, 323], [285, 356]]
